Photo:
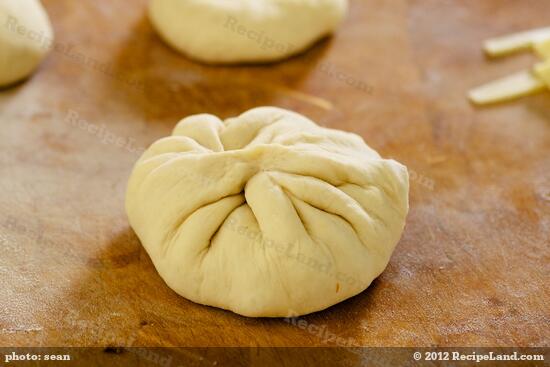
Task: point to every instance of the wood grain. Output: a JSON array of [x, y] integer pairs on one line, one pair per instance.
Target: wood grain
[[471, 269]]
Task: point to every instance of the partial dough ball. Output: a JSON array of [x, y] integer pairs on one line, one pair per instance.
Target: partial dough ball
[[266, 214], [26, 36], [233, 31]]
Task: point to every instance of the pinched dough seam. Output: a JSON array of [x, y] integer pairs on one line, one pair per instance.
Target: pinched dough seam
[[173, 233]]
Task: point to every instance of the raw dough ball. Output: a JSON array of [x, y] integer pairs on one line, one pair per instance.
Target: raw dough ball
[[231, 31], [266, 214], [25, 38]]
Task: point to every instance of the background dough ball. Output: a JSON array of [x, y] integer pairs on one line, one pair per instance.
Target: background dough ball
[[244, 30], [25, 38], [266, 214]]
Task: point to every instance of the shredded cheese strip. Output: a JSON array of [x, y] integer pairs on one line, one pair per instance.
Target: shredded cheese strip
[[515, 42], [522, 83], [542, 49], [542, 71], [510, 87]]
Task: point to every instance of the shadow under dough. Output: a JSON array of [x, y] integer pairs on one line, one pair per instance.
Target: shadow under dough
[[166, 86]]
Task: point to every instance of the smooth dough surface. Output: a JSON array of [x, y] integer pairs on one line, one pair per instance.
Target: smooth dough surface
[[233, 31], [26, 36], [266, 214]]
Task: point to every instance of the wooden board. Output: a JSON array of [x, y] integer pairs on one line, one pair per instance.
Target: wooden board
[[471, 269]]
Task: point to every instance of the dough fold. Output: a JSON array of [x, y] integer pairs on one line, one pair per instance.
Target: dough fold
[[266, 214]]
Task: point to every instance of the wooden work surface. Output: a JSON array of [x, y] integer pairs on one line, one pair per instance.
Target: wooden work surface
[[472, 267]]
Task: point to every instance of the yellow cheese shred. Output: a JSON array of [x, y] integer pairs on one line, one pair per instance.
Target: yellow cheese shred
[[507, 88], [515, 42]]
